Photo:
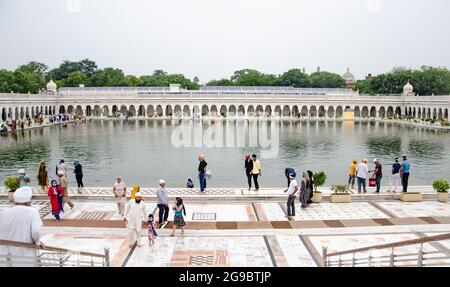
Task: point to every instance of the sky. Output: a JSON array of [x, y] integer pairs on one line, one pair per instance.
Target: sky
[[213, 38]]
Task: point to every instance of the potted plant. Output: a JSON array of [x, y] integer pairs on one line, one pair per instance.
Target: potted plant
[[340, 193], [441, 186], [12, 183], [319, 180]]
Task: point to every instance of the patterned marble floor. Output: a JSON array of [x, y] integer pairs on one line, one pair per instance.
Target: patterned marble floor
[[417, 209]]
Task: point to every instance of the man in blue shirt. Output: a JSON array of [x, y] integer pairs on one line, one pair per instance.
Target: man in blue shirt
[[405, 173]]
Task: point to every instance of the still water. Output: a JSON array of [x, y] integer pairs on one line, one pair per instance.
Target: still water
[[143, 151]]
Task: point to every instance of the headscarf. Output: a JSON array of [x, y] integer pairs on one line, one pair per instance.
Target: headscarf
[[42, 175], [136, 189]]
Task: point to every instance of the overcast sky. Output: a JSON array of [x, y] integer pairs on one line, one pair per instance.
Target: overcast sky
[[212, 38]]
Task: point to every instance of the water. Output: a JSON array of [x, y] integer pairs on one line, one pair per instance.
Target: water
[[141, 152]]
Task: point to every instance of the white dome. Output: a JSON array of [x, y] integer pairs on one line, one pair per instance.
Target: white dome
[[348, 76], [51, 86], [408, 88]]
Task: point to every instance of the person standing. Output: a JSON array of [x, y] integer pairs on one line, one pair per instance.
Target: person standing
[[352, 174], [405, 173], [162, 202], [248, 167], [178, 220], [63, 182], [136, 189], [120, 192], [310, 186], [61, 167], [202, 172], [78, 170], [21, 223], [304, 190], [287, 172], [256, 171], [24, 179], [134, 217], [56, 194], [361, 174], [42, 176], [292, 191], [378, 173], [395, 177]]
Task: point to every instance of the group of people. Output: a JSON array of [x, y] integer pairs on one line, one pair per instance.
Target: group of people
[[305, 190], [360, 172]]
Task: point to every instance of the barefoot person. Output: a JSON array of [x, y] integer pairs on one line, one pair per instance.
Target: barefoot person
[[151, 230], [64, 183], [56, 194], [292, 191], [134, 217], [120, 192], [256, 171], [42, 176], [178, 220], [202, 172]]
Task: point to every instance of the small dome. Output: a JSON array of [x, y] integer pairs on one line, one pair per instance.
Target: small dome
[[51, 86], [348, 76], [408, 88]]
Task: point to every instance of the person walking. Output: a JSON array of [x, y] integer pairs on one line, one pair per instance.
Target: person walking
[[136, 189], [248, 167], [304, 190], [405, 173], [395, 179], [287, 172], [162, 201], [352, 174], [134, 218], [178, 220], [378, 174], [120, 192], [42, 176], [292, 191], [256, 171], [361, 174], [64, 183], [56, 194], [21, 223], [78, 170], [202, 172]]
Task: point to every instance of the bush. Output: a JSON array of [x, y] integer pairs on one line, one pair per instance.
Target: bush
[[12, 183], [319, 179], [340, 188], [441, 185]]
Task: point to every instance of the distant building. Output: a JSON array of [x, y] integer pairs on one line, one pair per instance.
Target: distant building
[[369, 77], [349, 78]]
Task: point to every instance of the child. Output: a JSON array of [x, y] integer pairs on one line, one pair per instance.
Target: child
[[151, 230], [178, 220], [189, 183]]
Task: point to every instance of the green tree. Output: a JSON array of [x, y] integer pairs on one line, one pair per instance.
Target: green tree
[[34, 67], [221, 82], [75, 79], [250, 77], [107, 77], [326, 80], [295, 78]]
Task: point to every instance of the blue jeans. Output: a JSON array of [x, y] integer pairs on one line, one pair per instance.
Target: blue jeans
[[361, 181], [202, 179], [378, 179]]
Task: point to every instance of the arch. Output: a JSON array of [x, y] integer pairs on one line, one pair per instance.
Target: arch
[[390, 112], [364, 112], [88, 111], [97, 111], [321, 111], [357, 112], [339, 112], [277, 111], [150, 111], [382, 112], [159, 111], [330, 112], [231, 110], [132, 111], [428, 113], [348, 109], [286, 111], [259, 110], [123, 110], [439, 116], [414, 112], [141, 111], [373, 112], [250, 110], [223, 110], [313, 111], [446, 114], [268, 111], [168, 111], [22, 113], [45, 111], [186, 111], [177, 111], [295, 112], [241, 110], [62, 109], [419, 113], [213, 111], [4, 115], [195, 110], [105, 110], [70, 109], [205, 110], [398, 112], [304, 112]]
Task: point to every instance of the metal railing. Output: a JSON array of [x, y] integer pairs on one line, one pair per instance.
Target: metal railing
[[48, 256], [387, 256]]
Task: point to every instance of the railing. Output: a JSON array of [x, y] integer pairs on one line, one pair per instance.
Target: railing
[[423, 256], [49, 256]]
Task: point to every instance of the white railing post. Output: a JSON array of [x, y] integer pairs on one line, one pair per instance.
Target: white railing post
[[324, 256], [392, 258], [420, 257], [369, 259]]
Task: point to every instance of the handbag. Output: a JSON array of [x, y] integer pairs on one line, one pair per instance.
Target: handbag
[[372, 181]]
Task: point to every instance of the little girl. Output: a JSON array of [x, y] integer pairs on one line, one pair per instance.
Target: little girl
[[151, 230]]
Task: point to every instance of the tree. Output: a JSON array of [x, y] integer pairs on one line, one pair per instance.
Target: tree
[[75, 79], [221, 82], [295, 78], [107, 77], [34, 67], [84, 66], [249, 77], [326, 80]]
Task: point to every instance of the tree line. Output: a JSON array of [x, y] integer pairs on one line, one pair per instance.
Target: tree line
[[33, 76]]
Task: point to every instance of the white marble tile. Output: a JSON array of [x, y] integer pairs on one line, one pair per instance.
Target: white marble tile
[[295, 251], [417, 209]]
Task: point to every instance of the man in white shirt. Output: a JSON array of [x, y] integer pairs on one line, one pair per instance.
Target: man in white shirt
[[134, 217], [291, 190], [21, 223], [361, 174]]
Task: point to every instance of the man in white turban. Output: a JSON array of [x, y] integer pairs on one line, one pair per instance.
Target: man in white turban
[[21, 223], [134, 217]]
